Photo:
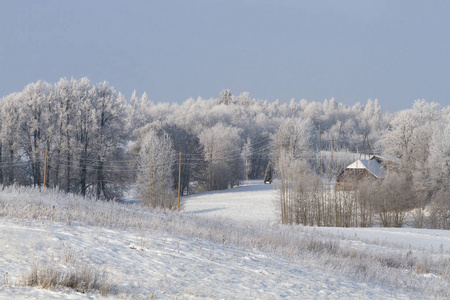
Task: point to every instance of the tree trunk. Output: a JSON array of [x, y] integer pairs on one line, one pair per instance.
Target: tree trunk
[[68, 172], [11, 168], [100, 179], [83, 173]]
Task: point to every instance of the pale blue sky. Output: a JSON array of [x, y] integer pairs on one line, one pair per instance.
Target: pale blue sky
[[396, 51]]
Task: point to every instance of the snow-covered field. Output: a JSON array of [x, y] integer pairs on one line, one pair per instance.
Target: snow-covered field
[[253, 202], [225, 245]]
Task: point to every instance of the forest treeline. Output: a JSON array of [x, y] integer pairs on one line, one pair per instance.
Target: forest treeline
[[96, 142]]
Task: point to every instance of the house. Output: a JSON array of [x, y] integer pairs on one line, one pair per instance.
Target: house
[[361, 169]]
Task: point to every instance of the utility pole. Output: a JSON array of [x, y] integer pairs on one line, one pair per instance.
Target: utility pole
[[331, 163], [319, 204], [283, 208], [179, 182], [45, 169], [320, 154]]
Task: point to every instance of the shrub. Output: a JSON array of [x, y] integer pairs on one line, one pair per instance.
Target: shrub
[[82, 278]]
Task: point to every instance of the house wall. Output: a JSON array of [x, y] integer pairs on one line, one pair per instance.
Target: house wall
[[348, 180]]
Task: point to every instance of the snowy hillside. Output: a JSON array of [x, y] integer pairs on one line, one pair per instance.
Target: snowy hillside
[[216, 249]]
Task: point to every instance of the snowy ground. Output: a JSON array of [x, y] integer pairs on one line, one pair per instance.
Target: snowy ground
[[208, 251], [254, 202], [167, 264]]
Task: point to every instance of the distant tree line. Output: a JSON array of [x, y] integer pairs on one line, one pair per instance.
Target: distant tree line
[[99, 144]]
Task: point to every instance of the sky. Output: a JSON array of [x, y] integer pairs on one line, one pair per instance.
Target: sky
[[393, 51]]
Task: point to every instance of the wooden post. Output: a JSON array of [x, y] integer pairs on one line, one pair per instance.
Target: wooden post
[[320, 158], [330, 186], [45, 169], [331, 163], [318, 218], [283, 207], [179, 182]]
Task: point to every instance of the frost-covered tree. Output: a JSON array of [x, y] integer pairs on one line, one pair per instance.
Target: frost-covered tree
[[439, 162], [225, 97], [139, 111], [246, 157], [296, 136], [155, 182], [10, 139], [34, 114], [85, 137], [109, 119], [409, 141], [221, 146], [62, 148], [290, 146]]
